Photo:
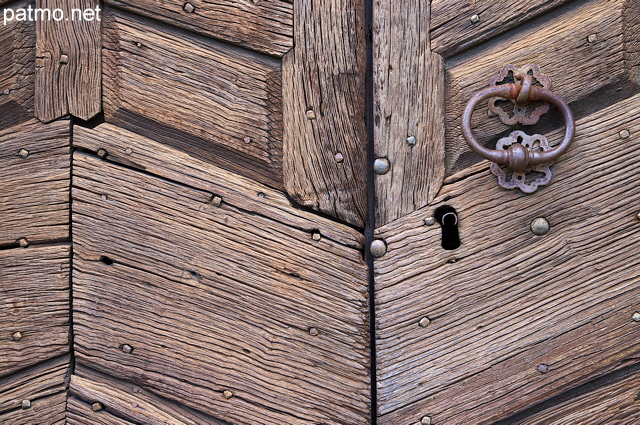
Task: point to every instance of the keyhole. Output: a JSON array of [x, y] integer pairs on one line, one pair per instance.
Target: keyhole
[[448, 219]]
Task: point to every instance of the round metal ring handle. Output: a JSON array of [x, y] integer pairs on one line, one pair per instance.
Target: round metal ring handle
[[517, 157]]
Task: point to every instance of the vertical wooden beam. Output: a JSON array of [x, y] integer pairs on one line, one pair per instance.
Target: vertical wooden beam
[[408, 108], [631, 19], [68, 62], [324, 105]]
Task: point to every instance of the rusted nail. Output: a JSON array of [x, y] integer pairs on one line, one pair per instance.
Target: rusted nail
[[381, 165], [426, 420], [378, 248], [23, 153], [189, 8], [23, 242], [310, 114], [227, 394], [96, 407], [424, 322], [247, 140], [316, 236], [540, 226], [636, 316], [475, 19], [17, 336], [128, 151], [126, 348], [313, 332], [592, 38], [624, 134], [338, 157], [64, 59], [429, 221], [216, 201], [411, 141], [102, 153], [543, 368], [26, 404]]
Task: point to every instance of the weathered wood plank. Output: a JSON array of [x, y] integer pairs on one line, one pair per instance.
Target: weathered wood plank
[[68, 60], [631, 16], [211, 100], [324, 108], [34, 383], [34, 170], [139, 152], [49, 410], [506, 301], [17, 68], [452, 30], [34, 302], [614, 403], [408, 103], [233, 298], [81, 413], [130, 402], [585, 68], [265, 26]]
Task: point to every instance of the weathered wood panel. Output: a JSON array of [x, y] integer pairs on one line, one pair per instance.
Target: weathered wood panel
[[129, 401], [453, 31], [324, 109], [132, 150], [506, 304], [212, 100], [34, 170], [614, 403], [67, 78], [241, 302], [81, 413], [631, 16], [265, 26], [49, 410], [17, 68], [34, 302], [408, 109], [31, 384], [585, 67]]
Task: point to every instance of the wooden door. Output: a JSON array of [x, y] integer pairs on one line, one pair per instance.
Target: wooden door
[[510, 327]]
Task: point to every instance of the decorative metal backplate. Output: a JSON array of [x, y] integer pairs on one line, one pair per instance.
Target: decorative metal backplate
[[509, 112], [528, 181]]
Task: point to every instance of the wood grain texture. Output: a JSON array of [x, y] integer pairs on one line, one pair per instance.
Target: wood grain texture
[[631, 16], [507, 301], [453, 32], [130, 402], [585, 67], [81, 413], [48, 410], [34, 201], [408, 102], [231, 294], [214, 101], [324, 109], [35, 302], [17, 68], [67, 78], [264, 26], [42, 380]]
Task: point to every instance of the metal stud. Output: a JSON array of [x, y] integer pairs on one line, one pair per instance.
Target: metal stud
[[26, 404], [96, 407], [23, 242], [227, 394], [128, 151], [247, 140], [411, 141], [23, 153], [378, 248], [381, 165], [424, 322], [189, 8], [313, 332], [6, 91], [64, 59], [216, 201], [429, 221], [540, 226], [102, 153], [310, 114], [316, 236], [338, 157], [624, 134], [127, 349], [475, 19], [543, 368], [636, 316], [17, 336], [426, 420], [592, 38]]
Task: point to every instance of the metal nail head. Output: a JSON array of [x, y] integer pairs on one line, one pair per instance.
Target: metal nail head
[[636, 316], [411, 141], [339, 157], [429, 221], [227, 394], [23, 153], [216, 201], [313, 332], [127, 349], [540, 226], [426, 420], [378, 248], [475, 19], [316, 236], [26, 404], [102, 153], [381, 165], [424, 322], [189, 8], [624, 134], [592, 38], [96, 407], [543, 368], [17, 336], [23, 242], [64, 59]]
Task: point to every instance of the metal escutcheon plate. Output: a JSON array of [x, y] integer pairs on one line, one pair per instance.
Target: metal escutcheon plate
[[528, 181]]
